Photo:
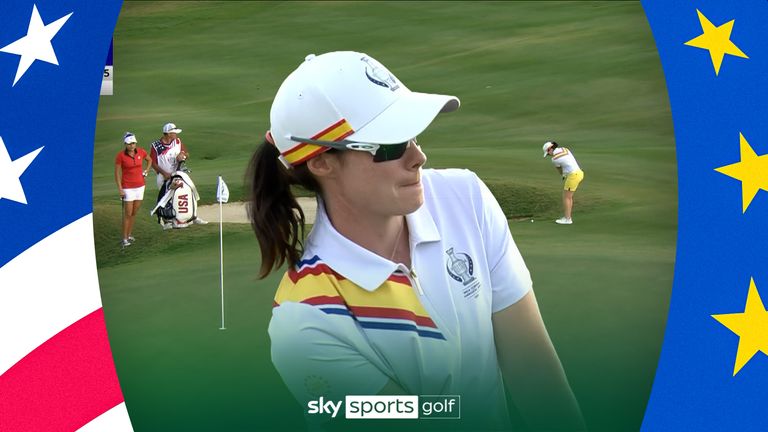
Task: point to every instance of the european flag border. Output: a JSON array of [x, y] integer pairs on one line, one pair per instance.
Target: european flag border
[[714, 57]]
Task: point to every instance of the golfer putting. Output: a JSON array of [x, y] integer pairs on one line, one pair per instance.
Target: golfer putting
[[566, 165], [410, 282]]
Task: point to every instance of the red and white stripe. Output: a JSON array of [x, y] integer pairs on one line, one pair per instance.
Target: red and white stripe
[[56, 367]]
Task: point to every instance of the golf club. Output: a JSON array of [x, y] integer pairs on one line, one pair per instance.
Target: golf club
[[122, 220]]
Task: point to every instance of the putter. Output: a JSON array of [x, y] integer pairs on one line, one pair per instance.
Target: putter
[[122, 220]]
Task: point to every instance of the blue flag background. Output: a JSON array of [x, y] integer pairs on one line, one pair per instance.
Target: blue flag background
[[56, 368], [52, 107], [720, 247]]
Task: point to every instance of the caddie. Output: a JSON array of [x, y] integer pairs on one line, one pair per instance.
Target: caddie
[[167, 153]]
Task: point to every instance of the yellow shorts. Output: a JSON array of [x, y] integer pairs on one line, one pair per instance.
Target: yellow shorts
[[572, 180]]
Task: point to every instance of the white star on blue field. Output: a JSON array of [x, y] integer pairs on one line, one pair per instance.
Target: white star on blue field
[[10, 174], [36, 45]]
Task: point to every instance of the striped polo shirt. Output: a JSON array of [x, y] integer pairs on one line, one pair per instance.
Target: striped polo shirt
[[563, 158], [346, 321]]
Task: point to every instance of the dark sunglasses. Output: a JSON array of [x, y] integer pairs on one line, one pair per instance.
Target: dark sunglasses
[[380, 152]]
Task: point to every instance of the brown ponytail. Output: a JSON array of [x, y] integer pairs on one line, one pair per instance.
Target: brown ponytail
[[275, 214]]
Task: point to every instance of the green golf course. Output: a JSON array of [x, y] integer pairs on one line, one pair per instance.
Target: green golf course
[[585, 74]]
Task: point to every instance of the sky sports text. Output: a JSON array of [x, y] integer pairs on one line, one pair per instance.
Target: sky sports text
[[390, 407]]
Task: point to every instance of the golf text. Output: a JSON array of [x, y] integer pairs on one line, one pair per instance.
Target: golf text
[[389, 407]]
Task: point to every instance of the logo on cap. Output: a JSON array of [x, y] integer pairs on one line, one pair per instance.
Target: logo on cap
[[171, 128], [379, 75], [129, 138]]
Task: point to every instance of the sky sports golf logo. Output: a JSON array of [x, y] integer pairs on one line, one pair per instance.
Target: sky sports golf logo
[[390, 407]]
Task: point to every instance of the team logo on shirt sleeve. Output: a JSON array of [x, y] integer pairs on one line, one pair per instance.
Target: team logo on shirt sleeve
[[461, 269]]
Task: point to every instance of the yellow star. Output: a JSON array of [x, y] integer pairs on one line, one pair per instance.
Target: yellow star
[[717, 40], [752, 171], [751, 326]]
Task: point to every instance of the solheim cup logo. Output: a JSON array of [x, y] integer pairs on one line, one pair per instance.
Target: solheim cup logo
[[461, 269], [379, 75]]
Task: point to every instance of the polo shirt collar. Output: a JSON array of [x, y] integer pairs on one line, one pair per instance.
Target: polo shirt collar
[[421, 226], [354, 262]]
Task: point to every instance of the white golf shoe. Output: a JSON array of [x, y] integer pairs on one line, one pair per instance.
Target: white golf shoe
[[199, 221], [125, 243], [564, 221], [167, 226]]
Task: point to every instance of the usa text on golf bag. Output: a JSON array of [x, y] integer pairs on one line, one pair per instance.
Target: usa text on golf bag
[[177, 200]]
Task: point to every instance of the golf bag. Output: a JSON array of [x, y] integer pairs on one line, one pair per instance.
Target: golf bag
[[177, 201]]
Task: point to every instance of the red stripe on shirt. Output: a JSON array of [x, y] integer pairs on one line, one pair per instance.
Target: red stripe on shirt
[[383, 312], [324, 300], [318, 269], [372, 311], [401, 279]]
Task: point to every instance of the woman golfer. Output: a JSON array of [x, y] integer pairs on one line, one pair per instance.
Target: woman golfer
[[409, 282], [129, 176], [566, 165]]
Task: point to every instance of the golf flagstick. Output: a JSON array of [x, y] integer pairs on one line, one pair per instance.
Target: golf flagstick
[[222, 196], [221, 260]]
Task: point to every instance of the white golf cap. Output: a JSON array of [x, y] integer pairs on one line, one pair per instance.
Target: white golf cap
[[547, 145], [170, 128], [129, 138], [347, 95]]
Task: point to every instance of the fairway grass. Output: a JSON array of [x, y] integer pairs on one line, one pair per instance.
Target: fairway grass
[[585, 74]]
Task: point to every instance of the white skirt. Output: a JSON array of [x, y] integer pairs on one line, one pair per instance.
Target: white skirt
[[134, 194]]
